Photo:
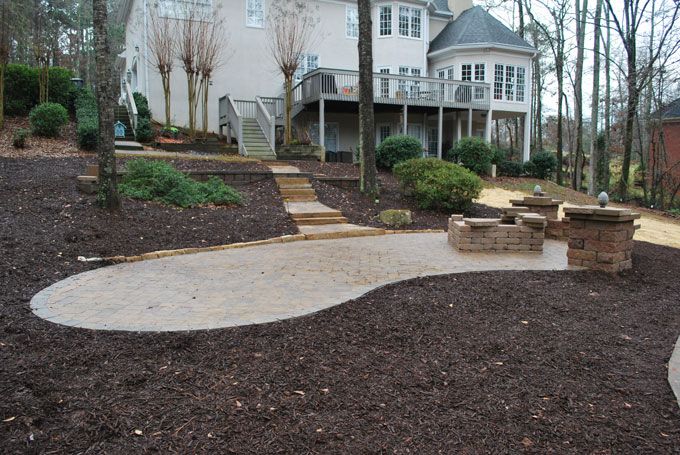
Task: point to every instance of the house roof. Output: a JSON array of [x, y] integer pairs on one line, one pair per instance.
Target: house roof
[[672, 110], [441, 6], [475, 26]]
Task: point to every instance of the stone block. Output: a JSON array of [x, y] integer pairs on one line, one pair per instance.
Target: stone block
[[611, 258], [509, 241], [576, 244], [582, 254], [482, 222], [615, 236], [585, 234], [607, 247], [396, 217]]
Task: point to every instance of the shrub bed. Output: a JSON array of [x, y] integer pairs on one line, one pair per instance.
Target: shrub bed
[[47, 119], [541, 166], [509, 168], [87, 117], [143, 132], [396, 149], [19, 138], [158, 181], [440, 185], [472, 153], [22, 89]]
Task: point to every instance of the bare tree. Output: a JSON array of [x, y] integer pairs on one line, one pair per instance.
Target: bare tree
[[108, 191], [5, 46], [213, 41], [629, 23], [162, 44], [595, 103], [291, 29], [41, 49], [188, 51], [369, 178], [602, 169]]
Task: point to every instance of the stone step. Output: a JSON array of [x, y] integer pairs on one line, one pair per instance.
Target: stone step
[[294, 186], [292, 181], [300, 198], [308, 215], [297, 191], [315, 221]]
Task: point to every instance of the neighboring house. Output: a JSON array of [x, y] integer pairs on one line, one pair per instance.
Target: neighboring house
[[665, 144], [444, 70]]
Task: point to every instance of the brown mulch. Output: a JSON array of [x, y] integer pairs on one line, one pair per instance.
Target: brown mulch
[[328, 169], [63, 146], [497, 362], [360, 209]]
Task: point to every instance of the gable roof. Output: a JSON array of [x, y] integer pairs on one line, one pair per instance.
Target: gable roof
[[441, 6], [672, 110], [475, 26]]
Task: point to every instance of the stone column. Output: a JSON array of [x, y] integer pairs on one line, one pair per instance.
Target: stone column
[[601, 238]]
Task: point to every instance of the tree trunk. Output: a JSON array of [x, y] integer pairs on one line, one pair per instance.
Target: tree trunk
[[288, 120], [166, 95], [595, 106], [206, 100], [603, 184], [631, 111], [369, 178], [2, 95], [108, 191], [578, 92], [560, 146]]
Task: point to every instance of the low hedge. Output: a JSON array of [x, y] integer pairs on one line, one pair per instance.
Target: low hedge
[[509, 168], [439, 185], [396, 149], [22, 90], [143, 132], [87, 117], [152, 180], [47, 119]]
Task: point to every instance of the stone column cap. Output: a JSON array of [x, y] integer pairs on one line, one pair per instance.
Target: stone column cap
[[537, 200], [601, 214], [482, 222], [515, 210]]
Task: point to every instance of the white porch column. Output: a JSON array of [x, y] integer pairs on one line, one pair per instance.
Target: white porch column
[[322, 123], [405, 126], [459, 127], [440, 132], [487, 129], [526, 140], [469, 125]]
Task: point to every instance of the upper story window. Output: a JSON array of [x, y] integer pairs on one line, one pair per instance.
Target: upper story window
[[509, 83], [466, 72], [351, 22], [308, 62], [385, 20], [183, 9], [410, 21], [255, 13], [445, 73]]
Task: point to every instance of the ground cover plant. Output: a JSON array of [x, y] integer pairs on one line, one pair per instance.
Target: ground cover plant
[[535, 362], [154, 180]]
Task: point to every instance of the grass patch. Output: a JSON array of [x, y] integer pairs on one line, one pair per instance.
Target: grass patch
[[159, 181]]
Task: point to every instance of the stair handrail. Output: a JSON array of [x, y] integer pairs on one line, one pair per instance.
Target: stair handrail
[[131, 107], [235, 122], [267, 122]]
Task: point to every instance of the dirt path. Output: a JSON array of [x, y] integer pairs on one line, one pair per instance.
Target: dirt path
[[654, 228]]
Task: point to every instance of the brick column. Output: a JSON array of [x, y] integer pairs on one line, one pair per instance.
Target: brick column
[[601, 238], [543, 205]]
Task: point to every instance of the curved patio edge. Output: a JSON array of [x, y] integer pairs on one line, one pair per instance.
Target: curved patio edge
[[674, 371]]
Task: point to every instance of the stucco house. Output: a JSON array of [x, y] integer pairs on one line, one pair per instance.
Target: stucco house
[[443, 70]]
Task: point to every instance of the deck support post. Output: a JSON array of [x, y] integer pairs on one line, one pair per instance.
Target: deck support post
[[459, 127], [526, 140], [405, 126], [322, 123], [487, 128], [440, 131], [469, 125]]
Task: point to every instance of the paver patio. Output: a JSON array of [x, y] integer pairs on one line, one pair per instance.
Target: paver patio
[[261, 283]]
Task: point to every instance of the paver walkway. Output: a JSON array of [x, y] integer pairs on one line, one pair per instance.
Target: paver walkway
[[261, 283]]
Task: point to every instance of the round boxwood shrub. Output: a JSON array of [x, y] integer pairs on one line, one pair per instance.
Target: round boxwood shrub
[[143, 133], [439, 185], [396, 149], [509, 168], [47, 119], [543, 165], [498, 155], [473, 153]]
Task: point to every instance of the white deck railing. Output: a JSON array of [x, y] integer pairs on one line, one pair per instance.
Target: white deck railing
[[274, 105], [131, 107], [267, 122], [231, 117], [248, 109], [343, 85]]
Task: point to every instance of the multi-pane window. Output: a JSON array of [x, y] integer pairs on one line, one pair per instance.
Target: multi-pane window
[[183, 9], [466, 72], [432, 141], [352, 22], [255, 13], [384, 132], [409, 88], [480, 76], [386, 20], [509, 83], [445, 73], [384, 83], [308, 62], [521, 82], [498, 82], [410, 22]]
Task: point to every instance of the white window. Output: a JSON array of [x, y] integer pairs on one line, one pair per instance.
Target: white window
[[498, 82], [384, 83], [445, 73], [466, 72], [410, 21], [182, 9], [384, 131], [385, 20], [432, 141], [521, 83], [308, 62], [255, 13], [409, 88], [351, 22], [509, 83], [480, 76]]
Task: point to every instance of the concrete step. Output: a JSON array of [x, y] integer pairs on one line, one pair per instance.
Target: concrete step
[[308, 215], [128, 145], [292, 180], [319, 221], [297, 186], [297, 192]]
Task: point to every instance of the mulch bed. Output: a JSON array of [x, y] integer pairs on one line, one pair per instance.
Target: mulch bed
[[535, 362], [328, 169], [360, 209]]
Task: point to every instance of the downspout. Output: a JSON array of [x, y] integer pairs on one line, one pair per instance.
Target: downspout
[[146, 49], [426, 40]]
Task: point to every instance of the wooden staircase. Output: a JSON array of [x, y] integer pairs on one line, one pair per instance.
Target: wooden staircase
[[255, 142], [121, 115]]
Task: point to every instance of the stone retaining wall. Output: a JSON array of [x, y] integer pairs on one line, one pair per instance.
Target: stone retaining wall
[[341, 182], [557, 229], [489, 235]]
